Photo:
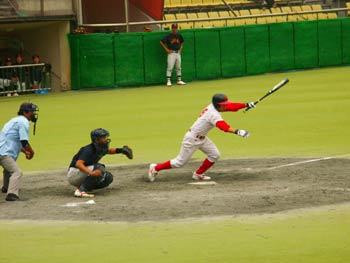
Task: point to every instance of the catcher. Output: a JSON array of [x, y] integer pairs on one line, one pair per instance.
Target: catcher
[[85, 172]]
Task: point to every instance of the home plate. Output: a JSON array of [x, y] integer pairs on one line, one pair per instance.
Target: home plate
[[203, 183], [75, 204]]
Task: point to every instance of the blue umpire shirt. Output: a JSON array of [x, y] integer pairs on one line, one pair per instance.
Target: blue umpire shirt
[[14, 131]]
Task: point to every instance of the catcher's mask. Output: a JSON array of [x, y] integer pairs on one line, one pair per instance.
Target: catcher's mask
[[30, 107], [101, 145]]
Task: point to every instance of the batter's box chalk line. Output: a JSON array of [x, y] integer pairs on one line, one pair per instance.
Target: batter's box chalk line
[[75, 204], [295, 163], [203, 183]]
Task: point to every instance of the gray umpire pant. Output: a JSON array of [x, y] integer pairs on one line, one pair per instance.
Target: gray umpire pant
[[12, 174]]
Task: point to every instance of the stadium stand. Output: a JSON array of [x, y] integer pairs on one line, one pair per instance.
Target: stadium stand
[[192, 9], [279, 19]]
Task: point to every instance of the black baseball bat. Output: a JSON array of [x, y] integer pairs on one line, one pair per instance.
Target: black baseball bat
[[274, 89]]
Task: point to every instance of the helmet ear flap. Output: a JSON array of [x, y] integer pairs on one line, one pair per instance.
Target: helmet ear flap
[[219, 98]]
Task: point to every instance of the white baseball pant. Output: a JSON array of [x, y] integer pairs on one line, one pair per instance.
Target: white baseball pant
[[174, 59], [192, 143]]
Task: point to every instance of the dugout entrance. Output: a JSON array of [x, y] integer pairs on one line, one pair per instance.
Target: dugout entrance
[[46, 38]]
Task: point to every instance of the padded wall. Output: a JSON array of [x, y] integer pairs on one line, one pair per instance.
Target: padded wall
[[257, 49], [306, 44], [129, 63], [232, 52], [281, 46], [207, 57]]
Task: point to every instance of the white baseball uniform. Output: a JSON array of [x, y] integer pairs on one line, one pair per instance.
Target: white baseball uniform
[[196, 138]]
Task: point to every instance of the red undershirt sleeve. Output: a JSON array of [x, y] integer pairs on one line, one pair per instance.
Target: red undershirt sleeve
[[235, 106], [223, 125]]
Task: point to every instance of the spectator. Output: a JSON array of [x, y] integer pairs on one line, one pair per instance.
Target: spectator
[[19, 74], [36, 73], [6, 76]]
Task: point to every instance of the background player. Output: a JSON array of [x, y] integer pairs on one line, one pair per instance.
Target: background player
[[14, 138], [173, 44], [85, 172], [196, 137]]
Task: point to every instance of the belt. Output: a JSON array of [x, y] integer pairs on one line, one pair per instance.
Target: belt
[[201, 137], [174, 51]]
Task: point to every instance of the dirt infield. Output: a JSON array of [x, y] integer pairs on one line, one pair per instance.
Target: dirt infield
[[244, 186]]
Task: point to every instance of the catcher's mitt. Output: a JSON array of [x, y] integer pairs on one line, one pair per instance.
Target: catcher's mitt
[[127, 151]]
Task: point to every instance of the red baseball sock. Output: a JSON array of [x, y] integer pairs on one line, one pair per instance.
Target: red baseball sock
[[163, 166], [204, 167]]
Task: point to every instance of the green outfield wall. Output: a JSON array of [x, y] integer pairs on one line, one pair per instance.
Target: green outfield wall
[[137, 59]]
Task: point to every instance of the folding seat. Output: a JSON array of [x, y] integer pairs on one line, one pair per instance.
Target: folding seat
[[298, 9], [216, 23], [167, 3], [204, 23], [269, 19], [175, 3], [196, 2], [288, 10], [247, 21], [279, 19], [308, 16], [182, 25], [192, 16], [319, 15], [259, 20], [208, 2]]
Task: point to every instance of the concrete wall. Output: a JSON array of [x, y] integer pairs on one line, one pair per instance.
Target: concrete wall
[[51, 43], [103, 11], [51, 7], [113, 11]]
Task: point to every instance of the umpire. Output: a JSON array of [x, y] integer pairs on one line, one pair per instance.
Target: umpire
[[85, 172], [173, 44], [14, 138]]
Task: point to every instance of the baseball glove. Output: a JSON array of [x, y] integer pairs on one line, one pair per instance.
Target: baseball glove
[[127, 151]]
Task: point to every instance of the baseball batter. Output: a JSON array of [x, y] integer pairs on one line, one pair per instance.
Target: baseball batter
[[85, 172], [196, 138], [173, 44], [14, 138]]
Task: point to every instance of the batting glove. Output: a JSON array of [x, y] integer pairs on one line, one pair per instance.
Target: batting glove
[[242, 133], [251, 105]]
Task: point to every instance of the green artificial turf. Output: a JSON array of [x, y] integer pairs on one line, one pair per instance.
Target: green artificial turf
[[307, 117], [317, 237]]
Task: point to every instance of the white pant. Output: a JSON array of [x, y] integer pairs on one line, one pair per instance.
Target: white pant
[[76, 177], [4, 83], [190, 144], [174, 59]]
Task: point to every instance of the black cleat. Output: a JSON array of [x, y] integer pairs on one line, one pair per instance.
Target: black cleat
[[3, 190], [11, 197]]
